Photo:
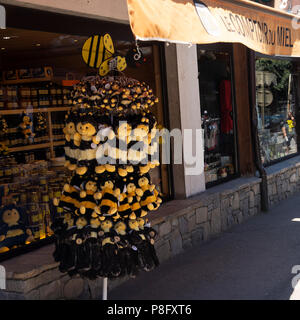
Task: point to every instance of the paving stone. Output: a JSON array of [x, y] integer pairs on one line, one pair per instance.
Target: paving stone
[[187, 243], [192, 222], [201, 215], [215, 221], [225, 203], [183, 225], [165, 228], [176, 243], [251, 199], [256, 189], [245, 207], [51, 291], [230, 220], [240, 217], [236, 201], [73, 288], [197, 236], [174, 223], [164, 251], [33, 295]]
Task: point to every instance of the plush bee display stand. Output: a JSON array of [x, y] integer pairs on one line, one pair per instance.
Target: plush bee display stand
[[111, 145]]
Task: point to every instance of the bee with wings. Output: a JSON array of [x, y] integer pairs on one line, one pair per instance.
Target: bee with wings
[[98, 52]]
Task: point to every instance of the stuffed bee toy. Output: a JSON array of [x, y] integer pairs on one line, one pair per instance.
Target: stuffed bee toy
[[139, 241], [71, 149], [109, 201], [59, 229], [149, 200], [69, 199], [134, 195], [89, 198], [110, 263], [110, 148], [95, 249], [107, 153], [26, 127], [150, 235], [13, 229], [86, 137], [79, 248], [127, 256]]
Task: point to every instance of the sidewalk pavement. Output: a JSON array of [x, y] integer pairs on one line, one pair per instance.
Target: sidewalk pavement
[[253, 260]]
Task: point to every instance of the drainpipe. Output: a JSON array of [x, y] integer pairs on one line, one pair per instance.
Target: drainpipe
[[254, 132]]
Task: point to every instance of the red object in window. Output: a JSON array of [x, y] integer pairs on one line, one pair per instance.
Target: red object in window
[[226, 106]]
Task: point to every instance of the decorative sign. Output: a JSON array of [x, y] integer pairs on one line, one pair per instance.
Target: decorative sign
[[98, 52], [209, 21]]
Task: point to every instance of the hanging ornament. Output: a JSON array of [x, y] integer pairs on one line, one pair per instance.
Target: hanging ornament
[[98, 52], [111, 145], [135, 57]]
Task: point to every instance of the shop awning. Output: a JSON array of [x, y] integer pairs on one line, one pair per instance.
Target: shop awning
[[259, 27]]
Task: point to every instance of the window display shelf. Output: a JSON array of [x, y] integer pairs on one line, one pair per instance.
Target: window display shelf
[[34, 110], [58, 143], [30, 147], [31, 80]]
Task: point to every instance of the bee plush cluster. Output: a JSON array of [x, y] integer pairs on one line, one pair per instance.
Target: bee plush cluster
[[26, 127], [3, 136], [111, 145]]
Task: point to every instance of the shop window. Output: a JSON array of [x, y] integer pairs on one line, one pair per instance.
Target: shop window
[[276, 105], [38, 70], [218, 117]]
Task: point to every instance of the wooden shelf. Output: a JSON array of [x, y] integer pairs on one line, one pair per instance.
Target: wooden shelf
[[30, 147], [29, 80], [34, 110], [58, 143]]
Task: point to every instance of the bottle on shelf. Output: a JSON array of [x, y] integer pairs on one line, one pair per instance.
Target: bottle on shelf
[[2, 97], [43, 93]]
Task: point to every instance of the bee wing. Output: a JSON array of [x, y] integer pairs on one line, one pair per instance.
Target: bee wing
[[121, 63], [109, 46], [104, 67], [93, 51]]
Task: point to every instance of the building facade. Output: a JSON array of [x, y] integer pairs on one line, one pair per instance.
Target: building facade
[[246, 105]]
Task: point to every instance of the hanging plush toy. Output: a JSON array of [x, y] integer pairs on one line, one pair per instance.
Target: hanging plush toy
[[109, 201], [150, 200], [86, 137], [70, 148], [111, 146], [111, 265], [89, 198]]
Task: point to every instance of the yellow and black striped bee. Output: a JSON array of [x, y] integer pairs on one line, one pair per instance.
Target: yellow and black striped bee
[[109, 200], [124, 208], [98, 52]]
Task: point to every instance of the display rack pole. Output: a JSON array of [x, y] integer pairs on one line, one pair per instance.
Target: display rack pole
[[104, 289]]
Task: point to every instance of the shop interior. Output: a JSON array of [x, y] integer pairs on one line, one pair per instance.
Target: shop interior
[[217, 113], [38, 70]]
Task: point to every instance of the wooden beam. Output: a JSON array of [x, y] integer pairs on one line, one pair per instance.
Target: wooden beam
[[241, 84]]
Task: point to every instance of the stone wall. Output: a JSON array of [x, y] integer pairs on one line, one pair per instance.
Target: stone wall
[[180, 224], [283, 180], [206, 215]]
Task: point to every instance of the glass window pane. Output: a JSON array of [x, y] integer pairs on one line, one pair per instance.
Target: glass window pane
[[276, 108], [217, 112]]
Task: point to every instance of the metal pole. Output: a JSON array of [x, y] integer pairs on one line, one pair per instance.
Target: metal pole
[[104, 289]]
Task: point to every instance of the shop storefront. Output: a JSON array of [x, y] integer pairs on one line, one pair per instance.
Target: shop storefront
[[40, 63], [227, 68]]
